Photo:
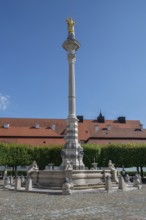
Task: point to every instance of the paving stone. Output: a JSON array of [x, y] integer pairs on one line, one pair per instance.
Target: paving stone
[[90, 206]]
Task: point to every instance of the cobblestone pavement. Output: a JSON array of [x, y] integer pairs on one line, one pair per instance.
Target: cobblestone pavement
[[90, 206]]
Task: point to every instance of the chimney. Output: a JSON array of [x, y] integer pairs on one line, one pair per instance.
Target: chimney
[[122, 120], [80, 118]]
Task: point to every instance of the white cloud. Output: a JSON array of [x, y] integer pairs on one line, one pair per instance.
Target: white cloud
[[4, 101]]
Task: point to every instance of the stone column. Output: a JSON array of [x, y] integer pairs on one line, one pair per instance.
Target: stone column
[[72, 152]]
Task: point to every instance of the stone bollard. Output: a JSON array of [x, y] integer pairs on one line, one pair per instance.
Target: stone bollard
[[137, 182], [122, 184], [17, 183], [6, 181], [11, 180], [5, 173], [108, 184], [28, 186]]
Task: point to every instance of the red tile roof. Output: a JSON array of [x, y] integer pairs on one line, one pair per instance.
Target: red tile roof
[[28, 132], [51, 131]]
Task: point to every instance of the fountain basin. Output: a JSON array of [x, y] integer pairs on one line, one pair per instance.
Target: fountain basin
[[56, 178]]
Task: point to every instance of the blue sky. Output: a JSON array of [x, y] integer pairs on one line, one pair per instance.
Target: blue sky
[[110, 66]]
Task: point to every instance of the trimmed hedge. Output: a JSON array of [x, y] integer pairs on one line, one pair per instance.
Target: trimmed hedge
[[91, 154], [129, 155], [20, 155]]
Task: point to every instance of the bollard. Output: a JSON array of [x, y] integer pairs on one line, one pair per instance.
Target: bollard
[[17, 183], [6, 181], [28, 186], [108, 183], [122, 184]]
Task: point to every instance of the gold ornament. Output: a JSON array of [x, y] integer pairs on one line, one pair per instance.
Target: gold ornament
[[70, 24]]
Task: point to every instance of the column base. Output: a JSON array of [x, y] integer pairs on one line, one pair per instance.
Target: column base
[[72, 157]]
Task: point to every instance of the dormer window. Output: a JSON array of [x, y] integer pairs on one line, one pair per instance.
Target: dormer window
[[6, 125], [96, 128], [108, 127], [141, 127], [37, 126], [53, 127]]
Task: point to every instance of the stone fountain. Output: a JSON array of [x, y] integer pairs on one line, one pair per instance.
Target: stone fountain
[[72, 171]]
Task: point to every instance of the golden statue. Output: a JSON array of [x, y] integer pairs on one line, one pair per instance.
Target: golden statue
[[70, 24]]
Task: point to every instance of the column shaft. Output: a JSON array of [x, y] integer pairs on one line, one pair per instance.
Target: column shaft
[[71, 89]]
